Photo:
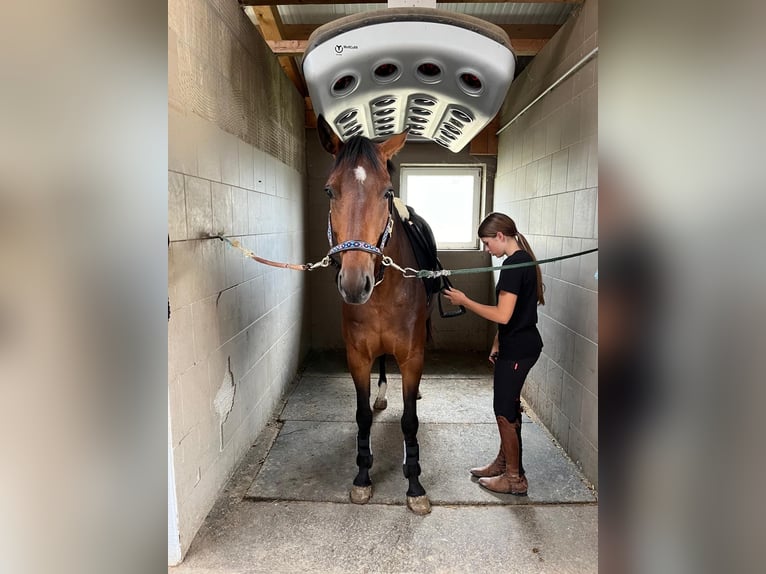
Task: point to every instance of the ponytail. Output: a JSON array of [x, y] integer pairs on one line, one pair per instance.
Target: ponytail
[[540, 286]]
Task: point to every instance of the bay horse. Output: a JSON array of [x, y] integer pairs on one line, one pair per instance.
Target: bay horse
[[384, 313]]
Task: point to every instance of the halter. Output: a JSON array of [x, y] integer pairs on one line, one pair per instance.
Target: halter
[[358, 245]]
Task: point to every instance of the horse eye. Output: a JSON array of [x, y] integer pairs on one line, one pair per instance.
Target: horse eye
[[328, 191], [389, 193]]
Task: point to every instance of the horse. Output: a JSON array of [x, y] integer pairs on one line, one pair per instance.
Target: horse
[[383, 313]]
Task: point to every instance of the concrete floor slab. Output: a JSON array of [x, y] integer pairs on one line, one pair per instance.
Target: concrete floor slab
[[286, 509], [289, 537], [317, 461]]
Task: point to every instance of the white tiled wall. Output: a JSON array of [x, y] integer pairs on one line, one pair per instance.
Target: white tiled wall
[[547, 181], [236, 332]]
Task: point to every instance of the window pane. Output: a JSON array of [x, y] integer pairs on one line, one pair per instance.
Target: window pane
[[449, 198], [446, 202]]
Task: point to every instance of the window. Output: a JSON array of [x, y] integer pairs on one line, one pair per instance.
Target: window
[[449, 198]]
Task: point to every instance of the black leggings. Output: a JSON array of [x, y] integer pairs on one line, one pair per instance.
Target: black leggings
[[510, 375]]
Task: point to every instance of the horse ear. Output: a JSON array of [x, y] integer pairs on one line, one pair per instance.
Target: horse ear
[[392, 145], [330, 141]]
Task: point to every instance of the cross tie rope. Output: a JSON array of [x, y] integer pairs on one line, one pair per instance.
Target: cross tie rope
[[388, 262]]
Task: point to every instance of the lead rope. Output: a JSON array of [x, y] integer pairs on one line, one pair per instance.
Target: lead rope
[[428, 274], [294, 266], [408, 272]]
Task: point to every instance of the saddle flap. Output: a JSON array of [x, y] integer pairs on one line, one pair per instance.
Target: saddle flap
[[423, 245]]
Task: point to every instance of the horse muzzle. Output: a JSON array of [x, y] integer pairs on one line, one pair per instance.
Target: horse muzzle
[[356, 281]]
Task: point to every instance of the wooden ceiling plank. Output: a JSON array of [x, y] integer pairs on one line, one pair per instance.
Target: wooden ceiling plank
[[530, 31], [293, 71], [514, 31], [269, 22], [272, 29], [528, 46], [521, 47], [287, 47], [299, 31]]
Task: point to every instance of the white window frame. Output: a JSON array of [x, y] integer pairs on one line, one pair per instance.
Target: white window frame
[[478, 172]]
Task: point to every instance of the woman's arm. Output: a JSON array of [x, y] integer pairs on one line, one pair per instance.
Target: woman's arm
[[500, 313]]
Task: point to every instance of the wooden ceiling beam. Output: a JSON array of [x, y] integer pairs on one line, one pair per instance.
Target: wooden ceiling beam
[[528, 46], [514, 31], [293, 71], [269, 22], [530, 31], [299, 31], [272, 29], [288, 47], [293, 48]]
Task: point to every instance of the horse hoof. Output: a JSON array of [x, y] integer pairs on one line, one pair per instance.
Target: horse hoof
[[380, 404], [360, 494], [420, 505]]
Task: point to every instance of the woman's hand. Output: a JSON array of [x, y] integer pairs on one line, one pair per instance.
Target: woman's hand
[[455, 296], [493, 354]]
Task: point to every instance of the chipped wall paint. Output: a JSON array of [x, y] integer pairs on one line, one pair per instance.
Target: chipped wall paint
[[224, 399]]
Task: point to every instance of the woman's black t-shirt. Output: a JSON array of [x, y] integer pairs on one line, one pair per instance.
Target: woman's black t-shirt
[[519, 338]]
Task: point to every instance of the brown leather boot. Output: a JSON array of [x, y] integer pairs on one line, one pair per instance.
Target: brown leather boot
[[511, 481], [494, 468]]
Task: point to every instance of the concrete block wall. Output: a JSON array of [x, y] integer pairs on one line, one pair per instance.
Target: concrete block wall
[[468, 332], [547, 181], [236, 333]]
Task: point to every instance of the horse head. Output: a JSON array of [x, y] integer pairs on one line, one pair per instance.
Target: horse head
[[361, 207]]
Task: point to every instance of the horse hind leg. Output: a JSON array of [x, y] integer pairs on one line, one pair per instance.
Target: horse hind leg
[[381, 402]]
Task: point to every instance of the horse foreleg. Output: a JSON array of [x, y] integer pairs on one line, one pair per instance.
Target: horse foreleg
[[380, 401], [417, 501], [361, 491]]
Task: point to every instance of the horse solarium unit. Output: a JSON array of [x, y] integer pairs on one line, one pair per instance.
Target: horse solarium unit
[[443, 74]]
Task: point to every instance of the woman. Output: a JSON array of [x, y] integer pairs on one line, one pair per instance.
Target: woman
[[516, 348]]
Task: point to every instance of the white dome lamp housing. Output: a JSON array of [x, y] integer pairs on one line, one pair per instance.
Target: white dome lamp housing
[[443, 75]]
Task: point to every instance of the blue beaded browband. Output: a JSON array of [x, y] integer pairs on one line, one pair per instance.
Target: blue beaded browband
[[357, 245], [354, 245]]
